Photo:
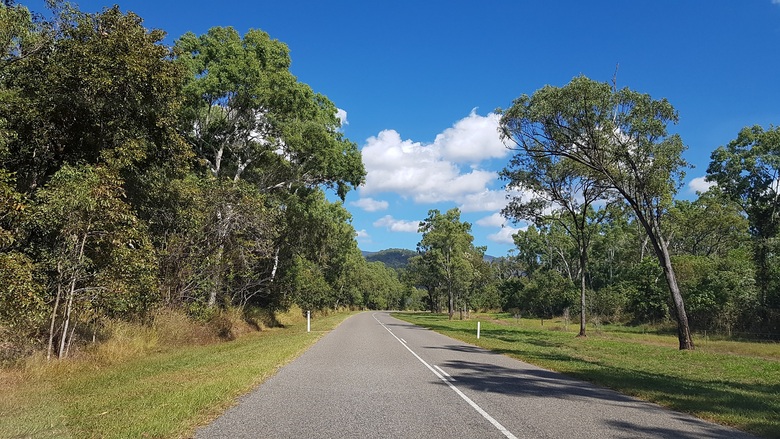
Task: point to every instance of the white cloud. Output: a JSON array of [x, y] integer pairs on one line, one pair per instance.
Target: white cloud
[[342, 116], [485, 201], [362, 235], [495, 220], [504, 235], [699, 184], [430, 173], [776, 2], [396, 225], [370, 204], [472, 139]]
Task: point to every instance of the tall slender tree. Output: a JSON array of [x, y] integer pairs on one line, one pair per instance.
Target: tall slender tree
[[553, 189], [620, 139]]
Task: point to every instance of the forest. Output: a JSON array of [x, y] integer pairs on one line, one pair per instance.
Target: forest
[[201, 176]]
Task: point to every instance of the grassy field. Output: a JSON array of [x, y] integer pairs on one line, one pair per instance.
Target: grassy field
[[732, 383], [158, 395]]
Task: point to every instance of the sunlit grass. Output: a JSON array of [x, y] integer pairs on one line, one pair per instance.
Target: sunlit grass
[[158, 394], [732, 383]]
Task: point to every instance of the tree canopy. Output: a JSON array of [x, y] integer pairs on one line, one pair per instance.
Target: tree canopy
[[620, 140]]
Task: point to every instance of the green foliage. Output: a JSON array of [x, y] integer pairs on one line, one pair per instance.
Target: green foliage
[[248, 117], [99, 245], [307, 284], [619, 140], [748, 171], [103, 91], [447, 260], [394, 258], [720, 291], [547, 294], [22, 299], [647, 300]]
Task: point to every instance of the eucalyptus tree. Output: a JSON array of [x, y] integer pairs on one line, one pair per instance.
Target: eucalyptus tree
[[747, 169], [104, 90], [553, 189], [248, 118], [322, 235], [620, 139], [444, 248], [102, 261], [88, 106], [422, 273], [710, 226]]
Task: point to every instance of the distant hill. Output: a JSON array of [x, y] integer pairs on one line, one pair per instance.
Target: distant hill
[[398, 257], [393, 258]]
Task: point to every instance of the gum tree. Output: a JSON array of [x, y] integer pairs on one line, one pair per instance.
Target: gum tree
[[555, 190], [247, 118], [444, 248], [620, 139], [748, 171]]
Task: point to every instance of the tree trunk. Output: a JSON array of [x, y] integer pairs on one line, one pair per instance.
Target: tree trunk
[[54, 311], [683, 329], [68, 310], [583, 262], [662, 252], [450, 304], [72, 293]]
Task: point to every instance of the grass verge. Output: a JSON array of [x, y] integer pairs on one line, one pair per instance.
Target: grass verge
[[731, 383], [160, 395]]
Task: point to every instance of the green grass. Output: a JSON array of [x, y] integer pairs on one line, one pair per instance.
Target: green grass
[[732, 383], [161, 395]]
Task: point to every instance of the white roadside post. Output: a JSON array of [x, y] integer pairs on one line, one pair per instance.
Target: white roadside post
[[308, 321], [478, 330]]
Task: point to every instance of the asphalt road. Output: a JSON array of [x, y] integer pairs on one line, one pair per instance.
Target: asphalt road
[[375, 376]]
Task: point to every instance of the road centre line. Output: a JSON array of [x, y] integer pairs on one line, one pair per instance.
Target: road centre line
[[474, 405]]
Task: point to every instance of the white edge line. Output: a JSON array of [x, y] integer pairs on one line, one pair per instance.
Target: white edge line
[[449, 377], [473, 404]]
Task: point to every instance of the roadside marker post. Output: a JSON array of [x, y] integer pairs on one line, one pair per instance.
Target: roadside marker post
[[308, 321], [478, 324]]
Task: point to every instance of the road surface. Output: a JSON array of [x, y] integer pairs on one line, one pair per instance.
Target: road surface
[[378, 377]]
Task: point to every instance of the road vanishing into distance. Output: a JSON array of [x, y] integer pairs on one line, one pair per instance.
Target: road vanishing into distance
[[377, 377]]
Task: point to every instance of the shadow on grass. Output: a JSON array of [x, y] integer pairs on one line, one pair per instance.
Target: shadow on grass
[[753, 407]]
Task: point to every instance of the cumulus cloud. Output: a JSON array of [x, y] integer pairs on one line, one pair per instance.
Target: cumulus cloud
[[370, 204], [504, 235], [396, 225], [342, 116], [699, 184], [472, 139], [446, 170], [363, 237], [495, 220], [485, 201]]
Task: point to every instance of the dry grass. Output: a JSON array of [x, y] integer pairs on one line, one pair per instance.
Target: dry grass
[[160, 380]]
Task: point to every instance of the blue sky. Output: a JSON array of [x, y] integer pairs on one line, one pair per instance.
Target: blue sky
[[419, 81]]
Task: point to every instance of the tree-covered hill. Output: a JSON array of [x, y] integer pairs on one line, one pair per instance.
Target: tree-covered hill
[[393, 257]]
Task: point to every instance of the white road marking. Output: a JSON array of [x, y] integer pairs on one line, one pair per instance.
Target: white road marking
[[449, 377], [402, 340], [473, 404]]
